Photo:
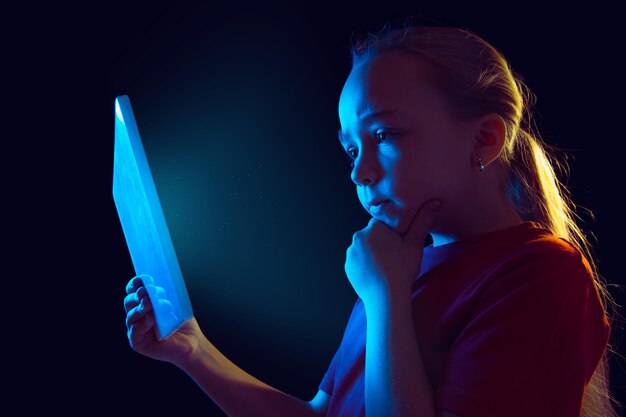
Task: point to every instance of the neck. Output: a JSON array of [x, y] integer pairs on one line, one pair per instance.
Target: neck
[[485, 208]]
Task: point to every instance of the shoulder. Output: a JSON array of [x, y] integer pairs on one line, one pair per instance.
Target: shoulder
[[549, 244], [546, 253], [543, 270]]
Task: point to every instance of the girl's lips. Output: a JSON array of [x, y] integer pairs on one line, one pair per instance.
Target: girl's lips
[[377, 201], [377, 208]]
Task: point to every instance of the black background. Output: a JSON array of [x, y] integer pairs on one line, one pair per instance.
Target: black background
[[237, 107]]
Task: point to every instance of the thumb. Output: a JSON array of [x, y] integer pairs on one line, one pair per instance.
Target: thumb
[[420, 225]]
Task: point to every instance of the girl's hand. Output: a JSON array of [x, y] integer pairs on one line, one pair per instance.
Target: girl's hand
[[178, 347], [382, 263]]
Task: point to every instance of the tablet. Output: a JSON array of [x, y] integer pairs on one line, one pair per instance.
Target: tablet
[[147, 236]]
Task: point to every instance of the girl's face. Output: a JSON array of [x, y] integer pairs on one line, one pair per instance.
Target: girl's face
[[411, 153]]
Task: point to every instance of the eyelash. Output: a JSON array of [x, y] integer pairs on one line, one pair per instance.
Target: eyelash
[[388, 138]]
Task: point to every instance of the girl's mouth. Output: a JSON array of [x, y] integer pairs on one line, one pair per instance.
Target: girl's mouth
[[377, 208]]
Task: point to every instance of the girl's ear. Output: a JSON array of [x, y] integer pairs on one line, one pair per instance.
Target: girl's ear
[[489, 138]]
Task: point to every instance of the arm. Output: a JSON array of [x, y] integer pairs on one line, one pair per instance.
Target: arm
[[395, 379], [237, 392], [232, 389]]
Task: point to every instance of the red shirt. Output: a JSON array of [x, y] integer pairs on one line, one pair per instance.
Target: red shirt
[[509, 323]]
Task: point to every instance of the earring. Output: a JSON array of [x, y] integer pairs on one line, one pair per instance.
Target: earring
[[480, 163]]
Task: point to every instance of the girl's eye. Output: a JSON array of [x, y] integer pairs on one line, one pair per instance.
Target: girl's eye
[[385, 138], [350, 157], [385, 134]]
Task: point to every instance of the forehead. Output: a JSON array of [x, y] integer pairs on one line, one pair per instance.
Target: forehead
[[391, 81]]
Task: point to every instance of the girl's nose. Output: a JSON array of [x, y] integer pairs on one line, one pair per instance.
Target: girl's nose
[[366, 170]]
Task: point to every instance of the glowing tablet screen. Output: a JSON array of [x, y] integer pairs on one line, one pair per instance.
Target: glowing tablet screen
[[147, 236]]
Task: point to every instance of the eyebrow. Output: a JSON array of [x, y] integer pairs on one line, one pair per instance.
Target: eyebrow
[[343, 136]]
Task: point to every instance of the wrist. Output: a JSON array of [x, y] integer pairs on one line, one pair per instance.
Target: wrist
[[390, 297], [401, 295], [194, 354]]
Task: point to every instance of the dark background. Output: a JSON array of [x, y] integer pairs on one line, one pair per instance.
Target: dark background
[[237, 108]]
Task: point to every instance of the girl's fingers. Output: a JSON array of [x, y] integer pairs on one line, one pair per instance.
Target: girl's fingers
[[146, 279], [134, 298], [140, 331], [138, 281], [147, 303], [137, 306], [130, 302], [133, 284], [136, 313], [141, 327]]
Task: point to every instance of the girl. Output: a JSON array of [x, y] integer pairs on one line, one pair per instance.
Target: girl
[[503, 315]]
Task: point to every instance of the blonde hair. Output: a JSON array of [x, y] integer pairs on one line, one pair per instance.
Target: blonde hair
[[477, 80]]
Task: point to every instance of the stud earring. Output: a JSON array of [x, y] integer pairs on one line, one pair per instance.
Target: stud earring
[[480, 163]]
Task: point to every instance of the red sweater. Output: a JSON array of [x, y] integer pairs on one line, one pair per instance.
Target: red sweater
[[509, 323]]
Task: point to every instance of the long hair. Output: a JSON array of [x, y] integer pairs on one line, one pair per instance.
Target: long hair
[[476, 79]]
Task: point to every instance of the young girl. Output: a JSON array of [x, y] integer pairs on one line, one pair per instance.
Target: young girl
[[503, 315]]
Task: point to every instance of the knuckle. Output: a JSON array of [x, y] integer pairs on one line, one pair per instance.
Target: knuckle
[[126, 304], [134, 336], [145, 279], [129, 285], [134, 315], [141, 291]]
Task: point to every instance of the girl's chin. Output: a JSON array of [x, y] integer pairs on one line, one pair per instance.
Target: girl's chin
[[393, 224], [401, 224]]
